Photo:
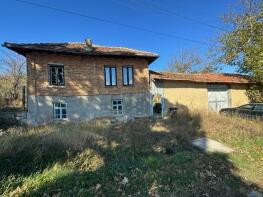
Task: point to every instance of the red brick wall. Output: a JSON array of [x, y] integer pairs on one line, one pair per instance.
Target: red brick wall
[[83, 75]]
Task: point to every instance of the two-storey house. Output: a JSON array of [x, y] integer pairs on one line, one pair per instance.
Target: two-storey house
[[82, 81]]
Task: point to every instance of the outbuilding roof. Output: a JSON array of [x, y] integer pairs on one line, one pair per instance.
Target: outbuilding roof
[[202, 77], [80, 49]]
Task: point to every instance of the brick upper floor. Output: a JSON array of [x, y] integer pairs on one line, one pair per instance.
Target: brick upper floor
[[83, 75], [81, 69]]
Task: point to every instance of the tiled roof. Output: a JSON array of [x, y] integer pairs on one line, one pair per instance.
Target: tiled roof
[[202, 77], [80, 49]]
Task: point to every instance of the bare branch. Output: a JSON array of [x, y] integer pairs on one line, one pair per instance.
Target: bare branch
[[189, 61], [12, 77]]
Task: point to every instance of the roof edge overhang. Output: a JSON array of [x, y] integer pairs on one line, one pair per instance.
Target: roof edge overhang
[[24, 51], [238, 79], [184, 80]]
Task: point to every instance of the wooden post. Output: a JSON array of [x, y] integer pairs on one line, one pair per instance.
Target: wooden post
[[24, 97]]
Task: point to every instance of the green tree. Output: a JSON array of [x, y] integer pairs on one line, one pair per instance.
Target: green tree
[[243, 46]]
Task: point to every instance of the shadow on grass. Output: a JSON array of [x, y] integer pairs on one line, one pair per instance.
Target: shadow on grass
[[139, 158], [8, 122]]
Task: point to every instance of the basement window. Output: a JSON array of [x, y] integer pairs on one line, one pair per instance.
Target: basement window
[[127, 75], [117, 107], [56, 75], [110, 75], [60, 110]]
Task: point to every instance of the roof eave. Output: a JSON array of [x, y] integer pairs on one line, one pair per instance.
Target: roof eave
[[16, 49], [24, 51], [153, 59], [183, 80]]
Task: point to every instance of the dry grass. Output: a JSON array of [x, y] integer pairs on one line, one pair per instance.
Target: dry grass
[[140, 158], [245, 136], [226, 127]]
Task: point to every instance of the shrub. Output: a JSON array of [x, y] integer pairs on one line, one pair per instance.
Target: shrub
[[6, 123]]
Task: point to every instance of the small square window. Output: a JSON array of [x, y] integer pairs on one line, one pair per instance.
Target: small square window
[[60, 110], [117, 107]]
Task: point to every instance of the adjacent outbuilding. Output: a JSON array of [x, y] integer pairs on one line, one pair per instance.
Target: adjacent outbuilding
[[203, 91]]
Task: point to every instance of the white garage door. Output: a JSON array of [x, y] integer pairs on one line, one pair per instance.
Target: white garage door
[[217, 97]]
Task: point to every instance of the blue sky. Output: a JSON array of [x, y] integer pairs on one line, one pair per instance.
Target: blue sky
[[21, 22]]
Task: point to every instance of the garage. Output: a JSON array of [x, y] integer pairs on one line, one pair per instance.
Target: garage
[[218, 97]]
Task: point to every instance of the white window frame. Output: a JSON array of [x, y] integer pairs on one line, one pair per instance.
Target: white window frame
[[60, 108], [118, 112]]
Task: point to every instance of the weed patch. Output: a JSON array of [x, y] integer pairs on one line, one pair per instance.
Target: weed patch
[[145, 157]]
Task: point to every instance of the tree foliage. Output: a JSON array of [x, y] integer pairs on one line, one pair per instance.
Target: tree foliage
[[243, 46], [12, 78], [255, 93], [190, 62]]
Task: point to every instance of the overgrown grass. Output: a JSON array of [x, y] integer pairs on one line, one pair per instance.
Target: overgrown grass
[[144, 157], [245, 136]]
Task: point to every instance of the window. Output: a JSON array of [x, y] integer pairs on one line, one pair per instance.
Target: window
[[117, 107], [127, 75], [246, 107], [110, 76], [56, 75], [259, 107], [60, 110]]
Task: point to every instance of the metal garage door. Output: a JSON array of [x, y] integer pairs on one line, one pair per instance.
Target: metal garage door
[[217, 97]]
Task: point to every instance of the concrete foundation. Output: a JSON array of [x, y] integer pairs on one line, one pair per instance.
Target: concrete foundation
[[40, 108]]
